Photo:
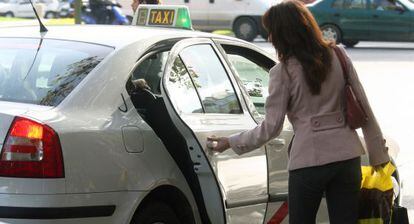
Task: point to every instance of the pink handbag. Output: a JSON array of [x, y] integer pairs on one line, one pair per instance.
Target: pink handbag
[[355, 114]]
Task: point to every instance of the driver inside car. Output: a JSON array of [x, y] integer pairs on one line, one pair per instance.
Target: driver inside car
[[142, 97]]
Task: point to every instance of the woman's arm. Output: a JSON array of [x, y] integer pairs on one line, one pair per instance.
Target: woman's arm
[[275, 107], [377, 151]]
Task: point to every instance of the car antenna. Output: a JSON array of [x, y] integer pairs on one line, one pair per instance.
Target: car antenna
[[43, 29]]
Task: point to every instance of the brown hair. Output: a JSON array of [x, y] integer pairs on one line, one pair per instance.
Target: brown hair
[[150, 2], [294, 32]]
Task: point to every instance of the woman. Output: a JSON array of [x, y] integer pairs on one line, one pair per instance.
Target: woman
[[308, 86], [136, 3]]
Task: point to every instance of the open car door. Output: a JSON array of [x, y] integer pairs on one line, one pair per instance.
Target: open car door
[[203, 100], [251, 67]]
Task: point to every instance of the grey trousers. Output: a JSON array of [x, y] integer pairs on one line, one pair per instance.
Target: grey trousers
[[340, 182]]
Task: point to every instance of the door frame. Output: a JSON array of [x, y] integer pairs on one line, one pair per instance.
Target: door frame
[[276, 198], [210, 187]]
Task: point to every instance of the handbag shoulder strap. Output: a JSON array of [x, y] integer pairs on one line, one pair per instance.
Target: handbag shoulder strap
[[342, 60]]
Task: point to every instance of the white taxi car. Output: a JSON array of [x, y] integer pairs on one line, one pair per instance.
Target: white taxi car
[[78, 145]]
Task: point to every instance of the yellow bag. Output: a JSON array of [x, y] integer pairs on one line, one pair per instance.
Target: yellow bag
[[375, 201]]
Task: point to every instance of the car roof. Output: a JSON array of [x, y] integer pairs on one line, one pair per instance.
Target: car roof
[[110, 35]]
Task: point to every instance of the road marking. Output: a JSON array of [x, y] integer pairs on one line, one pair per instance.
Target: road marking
[[280, 214]]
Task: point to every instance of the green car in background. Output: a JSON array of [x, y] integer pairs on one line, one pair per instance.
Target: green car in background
[[351, 21]]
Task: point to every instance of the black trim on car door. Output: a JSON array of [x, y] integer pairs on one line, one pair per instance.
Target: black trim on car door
[[56, 213], [278, 198]]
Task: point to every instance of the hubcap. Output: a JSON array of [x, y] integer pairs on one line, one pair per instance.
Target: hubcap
[[49, 16], [8, 15], [330, 34], [245, 29]]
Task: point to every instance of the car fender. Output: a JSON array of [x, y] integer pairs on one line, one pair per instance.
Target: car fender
[[169, 183]]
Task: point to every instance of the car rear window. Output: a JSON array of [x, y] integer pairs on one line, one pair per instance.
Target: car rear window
[[45, 71]]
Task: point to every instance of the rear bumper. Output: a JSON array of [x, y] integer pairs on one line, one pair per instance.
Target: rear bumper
[[103, 208]]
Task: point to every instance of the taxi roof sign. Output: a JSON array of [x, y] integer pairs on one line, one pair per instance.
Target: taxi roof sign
[[174, 16]]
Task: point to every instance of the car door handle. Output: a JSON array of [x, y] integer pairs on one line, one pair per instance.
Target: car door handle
[[375, 16], [337, 14], [277, 142]]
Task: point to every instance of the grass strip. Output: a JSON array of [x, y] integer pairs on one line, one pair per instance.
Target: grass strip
[[10, 19]]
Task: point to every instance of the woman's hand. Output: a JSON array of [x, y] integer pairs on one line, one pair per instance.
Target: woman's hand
[[218, 144], [380, 167]]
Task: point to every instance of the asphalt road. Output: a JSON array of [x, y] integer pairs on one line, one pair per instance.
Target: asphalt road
[[386, 71]]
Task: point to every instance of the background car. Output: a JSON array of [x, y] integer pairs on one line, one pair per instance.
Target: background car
[[16, 8], [65, 9], [242, 17], [22, 8], [350, 21], [52, 8]]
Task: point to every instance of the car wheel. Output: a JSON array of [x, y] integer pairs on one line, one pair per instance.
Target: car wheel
[[50, 15], [9, 15], [130, 18], [331, 32], [350, 43], [245, 28], [155, 213]]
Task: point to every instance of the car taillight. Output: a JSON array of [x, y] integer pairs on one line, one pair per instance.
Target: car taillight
[[31, 150]]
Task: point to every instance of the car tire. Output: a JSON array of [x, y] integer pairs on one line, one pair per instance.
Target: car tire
[[331, 32], [9, 14], [155, 212], [245, 28], [130, 18], [50, 15], [350, 43]]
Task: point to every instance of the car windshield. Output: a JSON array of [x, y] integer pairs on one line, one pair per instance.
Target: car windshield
[[45, 72], [408, 3], [4, 1]]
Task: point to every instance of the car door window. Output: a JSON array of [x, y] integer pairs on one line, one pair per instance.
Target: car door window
[[210, 79], [338, 4], [182, 91], [355, 4], [254, 78], [385, 5], [151, 70], [252, 71]]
